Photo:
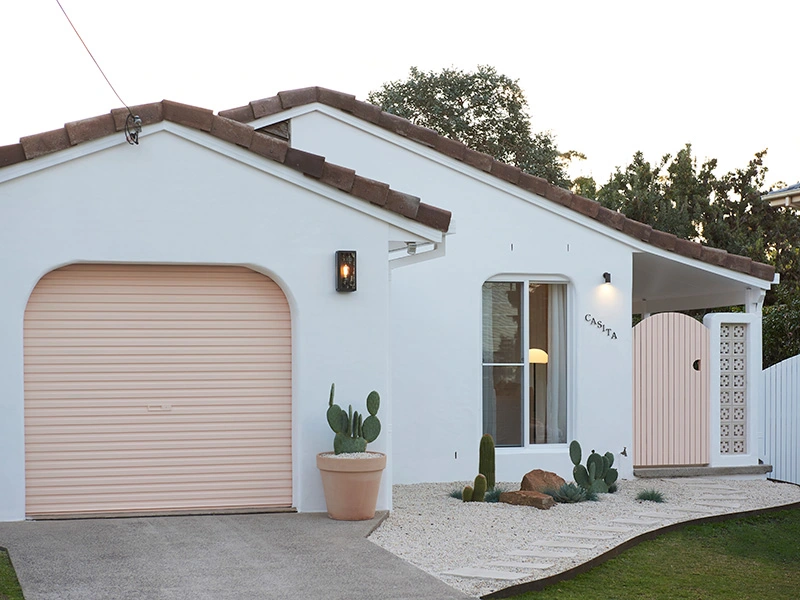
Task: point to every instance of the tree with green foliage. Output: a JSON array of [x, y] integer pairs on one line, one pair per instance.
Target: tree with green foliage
[[483, 109], [727, 212]]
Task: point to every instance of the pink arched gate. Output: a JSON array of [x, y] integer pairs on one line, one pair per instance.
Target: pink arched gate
[[671, 391]]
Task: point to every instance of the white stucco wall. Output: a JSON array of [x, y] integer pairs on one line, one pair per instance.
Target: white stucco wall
[[436, 308], [170, 200]]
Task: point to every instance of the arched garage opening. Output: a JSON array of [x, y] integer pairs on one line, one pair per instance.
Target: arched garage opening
[[157, 388]]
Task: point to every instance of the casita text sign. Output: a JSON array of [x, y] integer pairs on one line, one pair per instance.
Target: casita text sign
[[601, 326]]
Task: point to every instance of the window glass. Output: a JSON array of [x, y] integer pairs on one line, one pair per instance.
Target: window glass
[[525, 387], [502, 331]]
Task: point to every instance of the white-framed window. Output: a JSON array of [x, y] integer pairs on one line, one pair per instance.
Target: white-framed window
[[525, 361]]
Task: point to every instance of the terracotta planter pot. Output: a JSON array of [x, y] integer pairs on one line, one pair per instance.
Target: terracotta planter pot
[[351, 484]]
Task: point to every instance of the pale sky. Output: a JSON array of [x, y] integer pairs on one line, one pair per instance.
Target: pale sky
[[607, 78]]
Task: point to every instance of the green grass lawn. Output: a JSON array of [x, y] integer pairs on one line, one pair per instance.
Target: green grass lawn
[[753, 557], [9, 586]]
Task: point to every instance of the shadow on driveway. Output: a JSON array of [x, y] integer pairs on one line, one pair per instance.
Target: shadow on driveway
[[223, 557]]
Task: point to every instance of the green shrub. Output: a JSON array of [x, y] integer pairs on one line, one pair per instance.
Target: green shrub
[[650, 495], [456, 494]]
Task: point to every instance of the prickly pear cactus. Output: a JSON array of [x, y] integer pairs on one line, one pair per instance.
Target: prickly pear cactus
[[353, 432], [597, 476]]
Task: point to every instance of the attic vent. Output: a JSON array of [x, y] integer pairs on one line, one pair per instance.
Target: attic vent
[[281, 130]]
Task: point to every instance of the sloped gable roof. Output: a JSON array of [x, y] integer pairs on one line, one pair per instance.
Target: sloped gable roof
[[235, 132], [258, 109]]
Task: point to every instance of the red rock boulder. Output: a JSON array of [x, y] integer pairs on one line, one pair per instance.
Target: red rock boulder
[[528, 498], [539, 481]]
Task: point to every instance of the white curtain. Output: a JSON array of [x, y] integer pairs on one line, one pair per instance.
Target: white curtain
[[557, 367]]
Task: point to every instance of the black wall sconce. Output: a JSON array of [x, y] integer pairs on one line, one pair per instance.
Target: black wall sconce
[[607, 277], [345, 270]]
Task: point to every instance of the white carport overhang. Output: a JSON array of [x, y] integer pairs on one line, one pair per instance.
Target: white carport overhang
[[668, 282]]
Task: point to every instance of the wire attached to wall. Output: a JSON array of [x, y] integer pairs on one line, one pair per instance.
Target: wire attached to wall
[[133, 124]]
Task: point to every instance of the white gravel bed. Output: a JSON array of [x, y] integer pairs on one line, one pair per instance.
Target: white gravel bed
[[438, 533]]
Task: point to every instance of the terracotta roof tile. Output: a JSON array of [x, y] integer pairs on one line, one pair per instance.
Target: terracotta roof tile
[[423, 135], [762, 271], [148, 113], [635, 229], [432, 216], [243, 114], [452, 148], [534, 184], [479, 160], [531, 183], [45, 143], [90, 129], [305, 162], [506, 172], [12, 154], [235, 131], [232, 131], [714, 256], [663, 240], [587, 207], [299, 97], [404, 204], [396, 124], [688, 248], [190, 116], [269, 147], [340, 100], [368, 112], [738, 263], [610, 217], [370, 190], [265, 107], [338, 177]]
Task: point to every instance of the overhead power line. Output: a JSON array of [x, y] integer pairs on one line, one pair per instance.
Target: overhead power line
[[133, 124]]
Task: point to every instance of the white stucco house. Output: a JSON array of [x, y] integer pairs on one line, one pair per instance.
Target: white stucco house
[[170, 324]]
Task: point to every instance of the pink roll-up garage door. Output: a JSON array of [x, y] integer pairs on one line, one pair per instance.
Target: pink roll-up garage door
[[157, 388]]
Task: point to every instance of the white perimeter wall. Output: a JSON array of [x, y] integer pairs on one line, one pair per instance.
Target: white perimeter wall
[[436, 309], [173, 201]]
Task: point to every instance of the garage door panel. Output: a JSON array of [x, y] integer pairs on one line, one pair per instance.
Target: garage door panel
[[156, 388]]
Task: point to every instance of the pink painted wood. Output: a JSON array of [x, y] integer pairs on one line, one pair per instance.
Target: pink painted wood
[[156, 388], [671, 399]]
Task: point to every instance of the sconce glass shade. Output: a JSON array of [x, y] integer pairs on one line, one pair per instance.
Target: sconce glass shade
[[607, 277], [537, 356], [345, 270]]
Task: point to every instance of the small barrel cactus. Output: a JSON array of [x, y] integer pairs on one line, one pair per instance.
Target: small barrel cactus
[[486, 460], [475, 492], [353, 431]]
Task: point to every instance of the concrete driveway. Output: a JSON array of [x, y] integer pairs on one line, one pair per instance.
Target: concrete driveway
[[236, 557]]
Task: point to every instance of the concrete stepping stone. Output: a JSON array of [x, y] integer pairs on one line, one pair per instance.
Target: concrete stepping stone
[[657, 514], [543, 554], [610, 529], [714, 488], [640, 522], [508, 564], [721, 504], [731, 497], [479, 573], [586, 536], [571, 545], [687, 509]]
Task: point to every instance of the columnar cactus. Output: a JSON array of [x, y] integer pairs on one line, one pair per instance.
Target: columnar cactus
[[486, 460], [353, 432], [597, 475]]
